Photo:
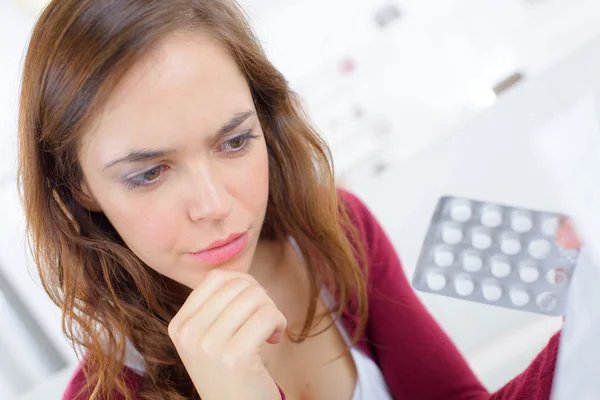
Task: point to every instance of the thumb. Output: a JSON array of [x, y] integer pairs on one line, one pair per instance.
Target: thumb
[[566, 235], [275, 337]]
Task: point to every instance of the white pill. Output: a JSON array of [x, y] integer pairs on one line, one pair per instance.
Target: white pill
[[521, 222], [481, 240], [569, 256], [443, 257], [519, 297], [539, 248], [529, 272], [472, 262], [547, 301], [436, 281], [461, 211], [510, 245], [491, 291], [464, 286], [491, 216], [452, 234], [500, 268], [549, 226]]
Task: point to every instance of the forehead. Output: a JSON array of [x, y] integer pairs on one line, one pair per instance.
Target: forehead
[[188, 84]]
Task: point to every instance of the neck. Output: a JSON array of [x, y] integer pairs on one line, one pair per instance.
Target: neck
[[270, 257]]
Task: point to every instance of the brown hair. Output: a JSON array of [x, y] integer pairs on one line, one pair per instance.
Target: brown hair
[[79, 51]]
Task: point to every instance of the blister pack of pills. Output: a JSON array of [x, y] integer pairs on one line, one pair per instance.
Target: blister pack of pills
[[495, 254]]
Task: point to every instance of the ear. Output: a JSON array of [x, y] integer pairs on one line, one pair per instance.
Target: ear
[[85, 197]]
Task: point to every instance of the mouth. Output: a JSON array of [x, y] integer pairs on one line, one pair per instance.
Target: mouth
[[223, 250]]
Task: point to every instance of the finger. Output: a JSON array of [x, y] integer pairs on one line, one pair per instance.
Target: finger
[[280, 328], [237, 313], [261, 326], [214, 281], [275, 337], [199, 323], [211, 283], [566, 235]]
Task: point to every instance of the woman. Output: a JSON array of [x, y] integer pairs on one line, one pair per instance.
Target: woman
[[182, 213]]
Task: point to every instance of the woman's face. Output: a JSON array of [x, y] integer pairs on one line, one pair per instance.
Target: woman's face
[[178, 163]]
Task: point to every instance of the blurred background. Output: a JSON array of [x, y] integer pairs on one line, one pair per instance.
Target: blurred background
[[417, 98]]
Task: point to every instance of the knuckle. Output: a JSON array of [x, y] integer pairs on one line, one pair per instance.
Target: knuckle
[[266, 312], [256, 297], [208, 348], [181, 338], [231, 359], [269, 314], [238, 283], [252, 280], [172, 328], [282, 317], [215, 274], [255, 291]]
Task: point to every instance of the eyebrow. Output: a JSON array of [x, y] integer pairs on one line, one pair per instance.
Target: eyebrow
[[145, 155], [234, 122]]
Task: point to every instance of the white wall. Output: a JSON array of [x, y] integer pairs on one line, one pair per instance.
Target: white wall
[[27, 364], [425, 74]]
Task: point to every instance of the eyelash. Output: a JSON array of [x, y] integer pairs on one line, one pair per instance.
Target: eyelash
[[246, 144], [134, 182]]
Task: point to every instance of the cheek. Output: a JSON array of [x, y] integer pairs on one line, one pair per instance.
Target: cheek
[[252, 185], [148, 231]]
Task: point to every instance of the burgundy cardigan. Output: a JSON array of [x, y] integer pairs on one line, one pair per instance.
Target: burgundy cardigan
[[417, 359]]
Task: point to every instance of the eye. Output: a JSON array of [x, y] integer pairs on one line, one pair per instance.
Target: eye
[[146, 178], [152, 174], [237, 143]]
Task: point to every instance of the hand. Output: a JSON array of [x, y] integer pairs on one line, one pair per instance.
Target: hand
[[218, 333], [566, 235]]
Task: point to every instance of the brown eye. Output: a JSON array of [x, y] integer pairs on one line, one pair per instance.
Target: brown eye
[[237, 143], [152, 174], [146, 178]]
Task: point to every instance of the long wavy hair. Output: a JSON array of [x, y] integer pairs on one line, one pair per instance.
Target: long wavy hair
[[78, 52]]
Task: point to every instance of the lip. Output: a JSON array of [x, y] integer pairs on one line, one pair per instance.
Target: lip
[[222, 250]]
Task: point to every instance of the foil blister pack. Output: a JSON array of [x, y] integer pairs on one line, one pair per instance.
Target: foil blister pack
[[495, 254]]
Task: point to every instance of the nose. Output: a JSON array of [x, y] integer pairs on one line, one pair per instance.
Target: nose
[[209, 198]]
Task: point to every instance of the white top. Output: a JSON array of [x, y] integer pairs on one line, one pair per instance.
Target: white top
[[370, 384]]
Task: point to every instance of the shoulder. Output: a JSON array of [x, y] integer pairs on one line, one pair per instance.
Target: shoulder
[[77, 388], [374, 238], [75, 385], [382, 261], [352, 203], [360, 215]]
